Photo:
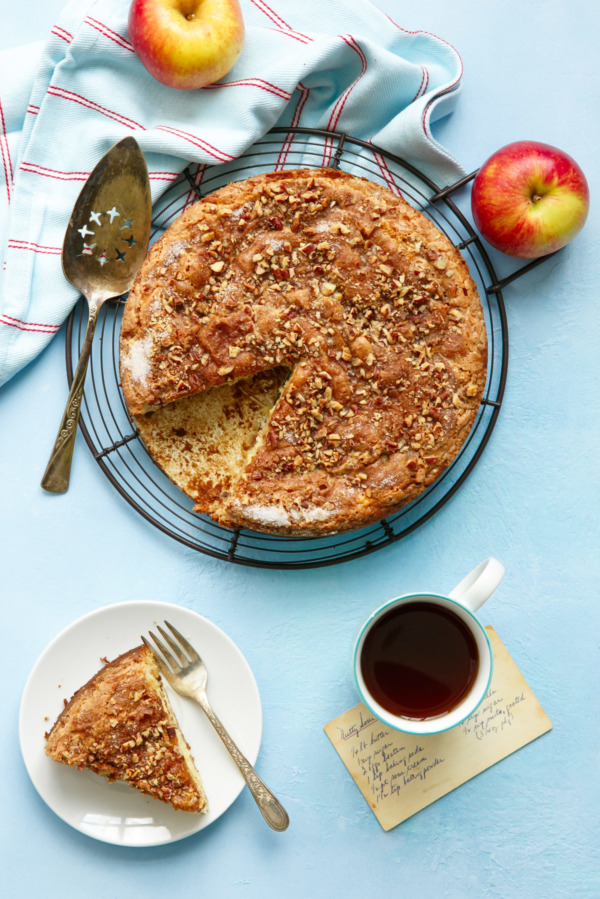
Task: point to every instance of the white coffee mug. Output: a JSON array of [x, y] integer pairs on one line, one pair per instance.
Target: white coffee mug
[[454, 614]]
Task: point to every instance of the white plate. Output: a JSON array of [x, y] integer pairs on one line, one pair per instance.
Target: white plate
[[116, 813]]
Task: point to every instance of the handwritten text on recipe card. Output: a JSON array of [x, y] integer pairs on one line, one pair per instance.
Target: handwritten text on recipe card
[[399, 774]]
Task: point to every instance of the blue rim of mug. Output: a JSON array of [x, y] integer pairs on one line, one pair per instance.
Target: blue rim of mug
[[376, 614]]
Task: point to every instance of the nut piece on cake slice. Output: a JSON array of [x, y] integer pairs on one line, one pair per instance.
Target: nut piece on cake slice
[[120, 724]]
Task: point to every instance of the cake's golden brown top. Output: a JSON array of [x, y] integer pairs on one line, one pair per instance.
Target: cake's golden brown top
[[120, 724], [367, 304]]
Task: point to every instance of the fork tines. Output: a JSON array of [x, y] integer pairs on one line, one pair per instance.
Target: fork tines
[[177, 648]]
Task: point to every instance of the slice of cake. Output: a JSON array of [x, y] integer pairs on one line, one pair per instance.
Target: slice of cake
[[121, 725]]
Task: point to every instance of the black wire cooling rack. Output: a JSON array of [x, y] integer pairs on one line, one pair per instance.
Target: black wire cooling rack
[[112, 436]]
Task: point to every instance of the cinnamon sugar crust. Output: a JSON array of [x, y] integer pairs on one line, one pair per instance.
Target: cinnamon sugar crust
[[120, 724], [360, 298]]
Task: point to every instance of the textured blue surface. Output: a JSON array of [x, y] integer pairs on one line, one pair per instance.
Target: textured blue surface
[[526, 827]]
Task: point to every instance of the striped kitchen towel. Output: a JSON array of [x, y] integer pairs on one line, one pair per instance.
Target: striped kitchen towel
[[341, 66]]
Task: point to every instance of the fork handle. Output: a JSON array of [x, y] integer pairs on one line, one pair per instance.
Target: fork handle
[[272, 810], [58, 471]]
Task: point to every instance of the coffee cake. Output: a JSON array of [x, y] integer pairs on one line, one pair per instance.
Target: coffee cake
[[364, 305]]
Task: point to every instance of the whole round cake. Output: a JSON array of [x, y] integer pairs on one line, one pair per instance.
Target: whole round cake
[[303, 353]]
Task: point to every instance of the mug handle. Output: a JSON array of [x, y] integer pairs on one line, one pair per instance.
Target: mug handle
[[479, 584]]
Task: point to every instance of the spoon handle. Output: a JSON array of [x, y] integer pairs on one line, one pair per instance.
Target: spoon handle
[[272, 810], [57, 474]]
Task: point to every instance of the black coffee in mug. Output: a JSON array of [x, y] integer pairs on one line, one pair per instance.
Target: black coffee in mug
[[419, 660]]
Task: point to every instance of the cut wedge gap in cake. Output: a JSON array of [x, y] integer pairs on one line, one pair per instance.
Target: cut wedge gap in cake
[[204, 442]]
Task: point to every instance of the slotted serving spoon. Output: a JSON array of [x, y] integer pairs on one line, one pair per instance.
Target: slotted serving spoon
[[105, 244]]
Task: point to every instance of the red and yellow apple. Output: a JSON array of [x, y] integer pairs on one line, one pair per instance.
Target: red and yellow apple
[[529, 199], [187, 44]]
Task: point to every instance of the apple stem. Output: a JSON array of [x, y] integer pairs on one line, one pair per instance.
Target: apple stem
[[536, 198]]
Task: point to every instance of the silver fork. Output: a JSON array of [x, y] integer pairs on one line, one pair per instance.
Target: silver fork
[[187, 675]]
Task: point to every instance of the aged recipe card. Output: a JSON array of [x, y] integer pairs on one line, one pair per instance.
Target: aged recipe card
[[399, 774]]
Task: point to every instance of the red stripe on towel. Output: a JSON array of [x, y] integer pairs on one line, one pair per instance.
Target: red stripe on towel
[[90, 104], [60, 32], [282, 26], [387, 174], [339, 106], [341, 101], [221, 155], [34, 247], [109, 33], [53, 173], [424, 83], [287, 144], [82, 176], [27, 326], [446, 90], [5, 153], [252, 82], [198, 177], [163, 176]]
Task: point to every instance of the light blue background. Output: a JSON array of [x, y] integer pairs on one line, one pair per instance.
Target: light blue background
[[528, 827]]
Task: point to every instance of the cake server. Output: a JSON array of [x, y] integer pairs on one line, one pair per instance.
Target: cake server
[[105, 244]]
